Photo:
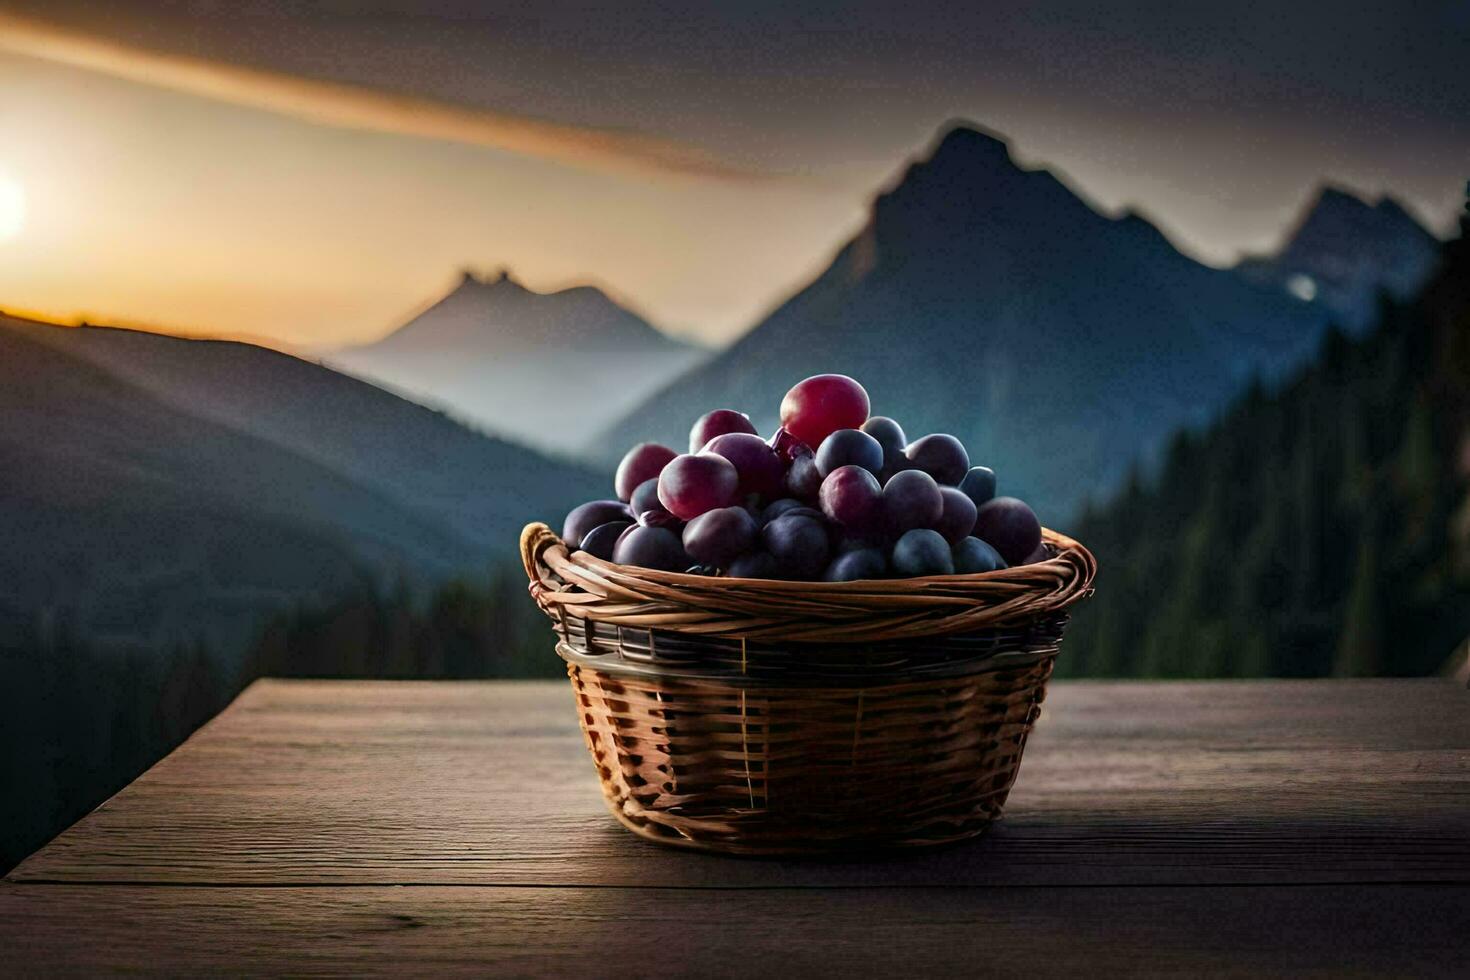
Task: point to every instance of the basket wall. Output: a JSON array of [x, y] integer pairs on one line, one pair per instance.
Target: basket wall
[[719, 728]]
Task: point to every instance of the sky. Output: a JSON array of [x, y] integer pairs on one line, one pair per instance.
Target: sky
[[311, 174]]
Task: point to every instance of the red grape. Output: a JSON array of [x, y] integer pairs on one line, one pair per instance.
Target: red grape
[[911, 499], [851, 496], [717, 537], [958, 517], [717, 423], [942, 457], [849, 447], [588, 516], [1010, 527], [690, 485], [644, 461], [787, 446], [761, 471], [820, 405]]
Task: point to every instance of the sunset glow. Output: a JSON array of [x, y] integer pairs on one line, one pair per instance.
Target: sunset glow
[[12, 208]]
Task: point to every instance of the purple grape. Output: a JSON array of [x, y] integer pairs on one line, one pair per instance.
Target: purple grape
[[973, 555], [818, 406], [1010, 527], [757, 564], [892, 440], [942, 457], [761, 470], [849, 447], [587, 516], [651, 547], [803, 479], [717, 537], [852, 566], [600, 541], [979, 485], [1042, 553], [799, 545], [717, 423], [958, 518], [922, 552], [911, 499], [691, 485], [850, 496], [644, 461], [645, 498]]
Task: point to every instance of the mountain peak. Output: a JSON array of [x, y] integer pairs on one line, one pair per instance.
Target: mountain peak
[[962, 141]]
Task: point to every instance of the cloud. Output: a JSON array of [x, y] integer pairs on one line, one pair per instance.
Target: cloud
[[357, 107]]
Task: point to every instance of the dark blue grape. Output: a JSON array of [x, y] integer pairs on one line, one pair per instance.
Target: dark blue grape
[[979, 485], [851, 566], [890, 436], [851, 497], [941, 456], [757, 564], [778, 507], [958, 518], [651, 547], [590, 515], [911, 499], [973, 555], [803, 480], [717, 537], [799, 545], [849, 447], [1010, 527], [600, 541], [922, 552]]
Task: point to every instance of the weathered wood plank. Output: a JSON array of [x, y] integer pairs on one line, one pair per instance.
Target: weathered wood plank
[[1398, 930], [421, 783]]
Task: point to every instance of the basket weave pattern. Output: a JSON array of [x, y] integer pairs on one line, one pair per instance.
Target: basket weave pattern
[[764, 717]]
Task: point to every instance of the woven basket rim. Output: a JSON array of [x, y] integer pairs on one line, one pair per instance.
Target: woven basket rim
[[577, 585]]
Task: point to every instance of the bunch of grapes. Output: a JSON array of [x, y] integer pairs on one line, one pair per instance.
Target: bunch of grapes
[[833, 495]]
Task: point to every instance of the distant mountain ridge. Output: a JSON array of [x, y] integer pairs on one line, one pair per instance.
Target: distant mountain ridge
[[992, 302], [1344, 251], [163, 485], [544, 368]]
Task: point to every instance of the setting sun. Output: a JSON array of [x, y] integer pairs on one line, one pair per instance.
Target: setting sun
[[12, 208]]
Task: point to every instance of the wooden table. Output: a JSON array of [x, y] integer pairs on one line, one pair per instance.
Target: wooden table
[[414, 827]]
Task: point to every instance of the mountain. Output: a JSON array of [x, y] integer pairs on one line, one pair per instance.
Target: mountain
[[1344, 252], [992, 302], [547, 369], [1320, 529], [163, 485]]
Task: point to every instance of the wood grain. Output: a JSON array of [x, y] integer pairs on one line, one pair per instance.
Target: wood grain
[[1253, 931], [310, 783]]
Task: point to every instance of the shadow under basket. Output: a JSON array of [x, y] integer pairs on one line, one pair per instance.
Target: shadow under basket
[[750, 716]]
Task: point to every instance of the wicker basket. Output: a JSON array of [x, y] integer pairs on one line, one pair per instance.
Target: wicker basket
[[762, 717]]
